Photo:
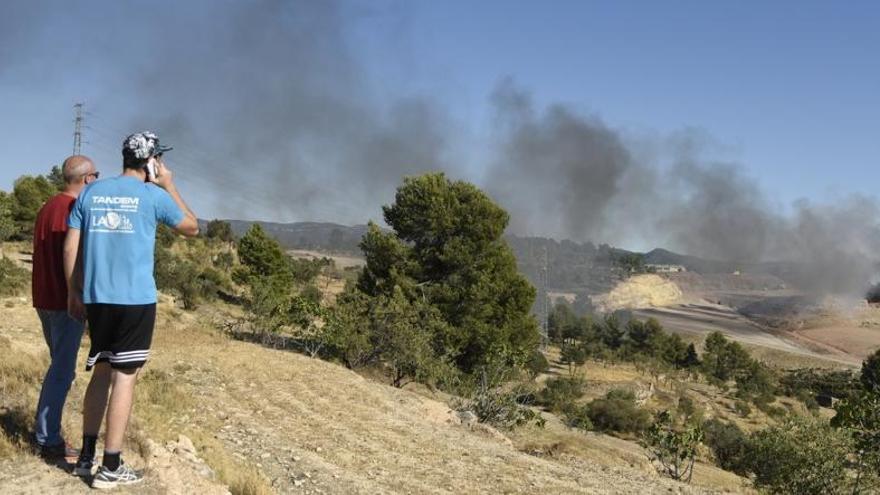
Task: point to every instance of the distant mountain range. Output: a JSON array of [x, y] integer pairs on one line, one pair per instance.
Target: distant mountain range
[[324, 236], [567, 266]]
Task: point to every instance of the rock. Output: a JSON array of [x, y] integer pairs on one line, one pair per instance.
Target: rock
[[185, 444], [467, 418]]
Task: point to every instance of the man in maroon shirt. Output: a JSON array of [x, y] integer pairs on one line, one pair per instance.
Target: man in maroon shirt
[[63, 333]]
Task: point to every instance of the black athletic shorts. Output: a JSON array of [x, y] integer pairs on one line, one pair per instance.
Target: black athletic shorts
[[120, 333]]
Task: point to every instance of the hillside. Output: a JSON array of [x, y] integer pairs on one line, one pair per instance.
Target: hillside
[[269, 421], [580, 269]]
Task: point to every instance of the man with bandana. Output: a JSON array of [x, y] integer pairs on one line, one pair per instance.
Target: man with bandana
[[108, 262]]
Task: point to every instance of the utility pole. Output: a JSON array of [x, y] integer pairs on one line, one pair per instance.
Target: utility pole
[[77, 129]]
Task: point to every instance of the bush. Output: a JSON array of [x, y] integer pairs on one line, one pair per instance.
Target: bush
[[870, 377], [219, 230], [573, 354], [832, 383], [559, 393], [7, 222], [28, 196], [576, 416], [14, 280], [723, 358], [673, 446], [859, 417], [263, 256], [618, 412], [729, 445], [756, 382], [537, 364], [190, 280], [803, 456], [348, 332], [500, 407]]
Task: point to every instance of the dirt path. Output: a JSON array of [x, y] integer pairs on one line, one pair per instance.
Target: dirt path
[[308, 426]]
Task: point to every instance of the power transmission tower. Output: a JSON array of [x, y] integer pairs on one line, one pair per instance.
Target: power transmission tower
[[77, 129], [545, 299]]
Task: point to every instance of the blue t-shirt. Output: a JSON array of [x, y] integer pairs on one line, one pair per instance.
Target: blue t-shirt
[[118, 219]]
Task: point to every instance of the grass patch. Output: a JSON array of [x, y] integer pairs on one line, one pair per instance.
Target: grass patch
[[159, 402], [20, 377], [14, 280]]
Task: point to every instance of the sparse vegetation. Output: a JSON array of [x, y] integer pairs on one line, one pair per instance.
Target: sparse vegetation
[[729, 445], [803, 456], [497, 405], [559, 394], [14, 280], [674, 446], [618, 412]]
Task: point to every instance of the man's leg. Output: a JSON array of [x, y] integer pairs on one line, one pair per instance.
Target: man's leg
[[94, 404], [63, 336], [119, 410], [96, 399]]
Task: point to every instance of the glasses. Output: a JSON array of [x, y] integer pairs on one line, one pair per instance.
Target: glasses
[[96, 174]]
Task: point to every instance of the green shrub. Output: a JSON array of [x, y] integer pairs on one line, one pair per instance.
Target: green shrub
[[618, 412], [537, 364], [28, 195], [191, 281], [307, 270], [870, 376], [756, 382], [560, 392], [573, 354], [859, 417], [803, 456], [8, 228], [14, 280], [723, 358], [673, 446], [729, 445], [577, 416], [220, 231], [831, 383]]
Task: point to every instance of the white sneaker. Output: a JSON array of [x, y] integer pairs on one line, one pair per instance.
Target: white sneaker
[[123, 475]]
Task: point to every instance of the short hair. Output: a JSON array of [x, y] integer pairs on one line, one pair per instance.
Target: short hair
[[129, 161], [74, 167]]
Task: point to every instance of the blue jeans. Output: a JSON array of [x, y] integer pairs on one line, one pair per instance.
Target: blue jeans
[[63, 335]]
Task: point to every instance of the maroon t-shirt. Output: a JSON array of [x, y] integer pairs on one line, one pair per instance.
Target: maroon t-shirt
[[49, 285]]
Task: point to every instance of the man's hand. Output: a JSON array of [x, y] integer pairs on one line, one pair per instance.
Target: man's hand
[[164, 175], [75, 307]]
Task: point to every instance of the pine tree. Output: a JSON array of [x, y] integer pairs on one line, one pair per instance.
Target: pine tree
[[446, 249]]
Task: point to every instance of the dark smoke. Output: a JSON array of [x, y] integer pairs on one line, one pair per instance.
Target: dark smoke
[[265, 103], [273, 116], [565, 175]]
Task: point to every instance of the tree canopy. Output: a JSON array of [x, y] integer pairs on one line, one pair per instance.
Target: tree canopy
[[446, 250]]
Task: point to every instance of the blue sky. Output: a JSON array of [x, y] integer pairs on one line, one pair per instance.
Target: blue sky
[[791, 90]]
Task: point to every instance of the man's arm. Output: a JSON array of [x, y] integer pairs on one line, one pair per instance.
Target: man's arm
[[73, 274], [189, 226]]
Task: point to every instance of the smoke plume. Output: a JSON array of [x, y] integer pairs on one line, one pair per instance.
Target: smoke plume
[[274, 117]]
